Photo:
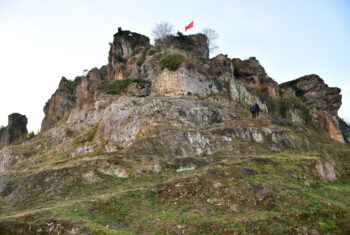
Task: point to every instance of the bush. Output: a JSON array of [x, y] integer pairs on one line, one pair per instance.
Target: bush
[[139, 61], [186, 43], [152, 52], [136, 51], [171, 61], [299, 92], [31, 135], [117, 86], [304, 98], [2, 129], [293, 103], [118, 58]]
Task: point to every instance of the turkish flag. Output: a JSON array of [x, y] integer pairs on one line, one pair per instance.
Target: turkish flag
[[189, 26]]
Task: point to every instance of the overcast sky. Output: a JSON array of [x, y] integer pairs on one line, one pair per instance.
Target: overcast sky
[[43, 40]]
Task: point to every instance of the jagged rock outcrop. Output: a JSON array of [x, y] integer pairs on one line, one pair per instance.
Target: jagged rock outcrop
[[70, 94], [245, 82], [221, 66], [122, 60], [57, 106], [315, 93], [16, 129], [323, 101], [253, 75]]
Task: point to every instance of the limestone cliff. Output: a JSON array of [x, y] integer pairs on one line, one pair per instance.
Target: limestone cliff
[[246, 82], [252, 74]]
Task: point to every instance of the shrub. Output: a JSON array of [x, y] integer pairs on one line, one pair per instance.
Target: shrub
[[117, 86], [293, 103], [2, 129], [151, 52], [186, 43], [118, 57], [136, 51], [304, 98], [171, 61], [262, 89], [31, 135], [202, 60], [139, 61], [159, 48], [299, 92]]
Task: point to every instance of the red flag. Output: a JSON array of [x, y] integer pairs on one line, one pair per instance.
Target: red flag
[[189, 26]]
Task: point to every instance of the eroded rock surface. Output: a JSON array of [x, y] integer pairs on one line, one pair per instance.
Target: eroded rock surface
[[136, 141], [317, 93], [16, 129], [252, 74]]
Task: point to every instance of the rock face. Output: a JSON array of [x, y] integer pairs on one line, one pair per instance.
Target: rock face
[[323, 101], [323, 121], [7, 158], [16, 129], [121, 60], [317, 94], [70, 94], [239, 93], [242, 81], [253, 75], [345, 129], [60, 102]]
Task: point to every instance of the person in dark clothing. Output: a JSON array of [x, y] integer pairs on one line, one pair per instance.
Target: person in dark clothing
[[257, 108], [254, 109]]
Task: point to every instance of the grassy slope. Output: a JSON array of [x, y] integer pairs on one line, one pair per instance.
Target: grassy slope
[[196, 201]]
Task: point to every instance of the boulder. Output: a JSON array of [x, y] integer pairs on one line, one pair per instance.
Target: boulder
[[16, 129]]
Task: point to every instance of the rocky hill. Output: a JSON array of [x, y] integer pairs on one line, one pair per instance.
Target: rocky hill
[[161, 140]]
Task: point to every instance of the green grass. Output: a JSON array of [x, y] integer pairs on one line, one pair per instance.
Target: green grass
[[88, 136], [132, 205]]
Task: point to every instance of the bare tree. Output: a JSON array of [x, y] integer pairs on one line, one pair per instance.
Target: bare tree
[[162, 30], [212, 35]]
